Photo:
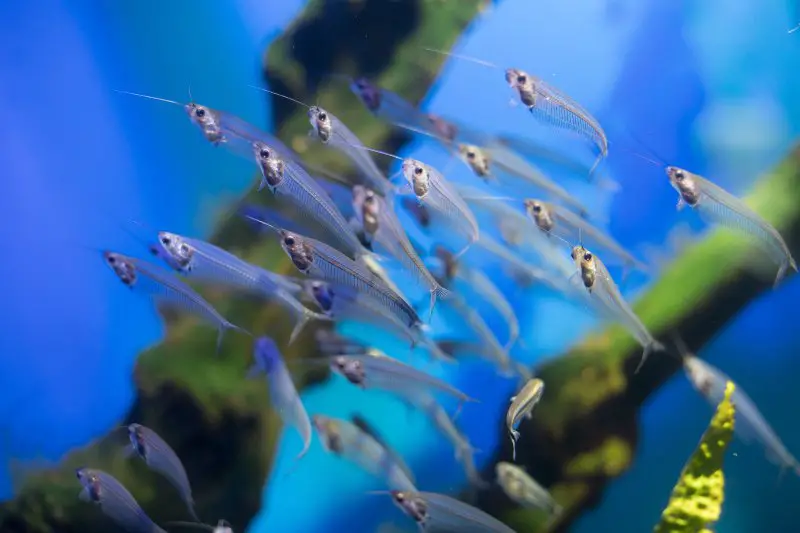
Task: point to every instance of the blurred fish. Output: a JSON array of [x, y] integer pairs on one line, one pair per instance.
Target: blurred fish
[[599, 283], [222, 526], [332, 132], [167, 290], [448, 131], [342, 302], [794, 29], [522, 407], [550, 105], [387, 105], [524, 490], [350, 442], [331, 343], [437, 512], [715, 204], [388, 374], [288, 180], [464, 451], [514, 266], [115, 501], [483, 160], [206, 263], [378, 219], [555, 220], [282, 392], [750, 423], [159, 456], [485, 288], [317, 259]]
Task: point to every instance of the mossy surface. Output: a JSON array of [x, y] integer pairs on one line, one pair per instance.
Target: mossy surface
[[218, 422], [696, 501]]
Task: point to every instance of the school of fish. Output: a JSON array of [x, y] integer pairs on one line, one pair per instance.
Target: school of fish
[[346, 240]]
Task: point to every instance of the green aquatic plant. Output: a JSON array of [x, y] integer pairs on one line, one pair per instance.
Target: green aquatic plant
[[696, 501]]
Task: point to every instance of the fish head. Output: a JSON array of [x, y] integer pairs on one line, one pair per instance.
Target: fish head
[[178, 251], [122, 267], [418, 176], [367, 207], [351, 369], [330, 433], [540, 213], [585, 261], [476, 158], [271, 165], [321, 122], [136, 436], [443, 128], [685, 183], [266, 354], [322, 294], [412, 506], [367, 92], [90, 480], [523, 83], [207, 120], [298, 250], [699, 374]]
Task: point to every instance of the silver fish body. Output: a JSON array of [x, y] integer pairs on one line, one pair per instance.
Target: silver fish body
[[159, 456], [387, 105], [348, 441], [522, 407], [378, 215], [715, 204], [333, 132], [389, 374], [437, 512], [435, 192], [601, 286], [523, 489], [283, 394], [750, 423], [166, 290], [557, 109], [555, 220], [115, 501]]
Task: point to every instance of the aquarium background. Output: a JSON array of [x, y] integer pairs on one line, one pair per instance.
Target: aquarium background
[[710, 87]]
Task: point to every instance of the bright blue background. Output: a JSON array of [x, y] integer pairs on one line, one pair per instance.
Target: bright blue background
[[711, 88]]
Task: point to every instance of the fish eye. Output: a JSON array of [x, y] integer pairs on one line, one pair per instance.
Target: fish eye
[[587, 256], [323, 116], [184, 248], [264, 153], [199, 112], [679, 175], [166, 240], [418, 171], [537, 208], [289, 241], [112, 259], [522, 78], [470, 155]]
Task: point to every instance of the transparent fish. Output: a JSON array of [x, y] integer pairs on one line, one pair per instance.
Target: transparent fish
[[464, 451], [523, 489], [389, 374], [485, 288], [202, 261], [598, 282], [160, 457], [715, 204], [449, 131], [557, 109], [342, 302], [750, 423], [437, 512], [522, 407], [436, 193], [346, 440], [317, 259], [166, 290], [555, 220], [525, 147], [115, 501], [379, 220], [284, 397], [496, 163], [514, 265], [288, 180], [387, 105]]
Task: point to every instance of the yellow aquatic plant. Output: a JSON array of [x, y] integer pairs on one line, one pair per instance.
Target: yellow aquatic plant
[[696, 501]]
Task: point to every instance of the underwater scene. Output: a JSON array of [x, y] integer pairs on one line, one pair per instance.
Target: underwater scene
[[397, 266]]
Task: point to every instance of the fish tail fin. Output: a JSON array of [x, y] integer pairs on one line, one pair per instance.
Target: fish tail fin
[[514, 438], [192, 512], [784, 268], [304, 317], [652, 346]]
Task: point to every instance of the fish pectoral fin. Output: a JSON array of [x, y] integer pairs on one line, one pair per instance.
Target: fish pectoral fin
[[681, 204], [528, 415], [83, 495], [128, 452]]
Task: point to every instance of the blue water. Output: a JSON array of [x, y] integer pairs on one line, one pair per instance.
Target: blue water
[[670, 74]]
